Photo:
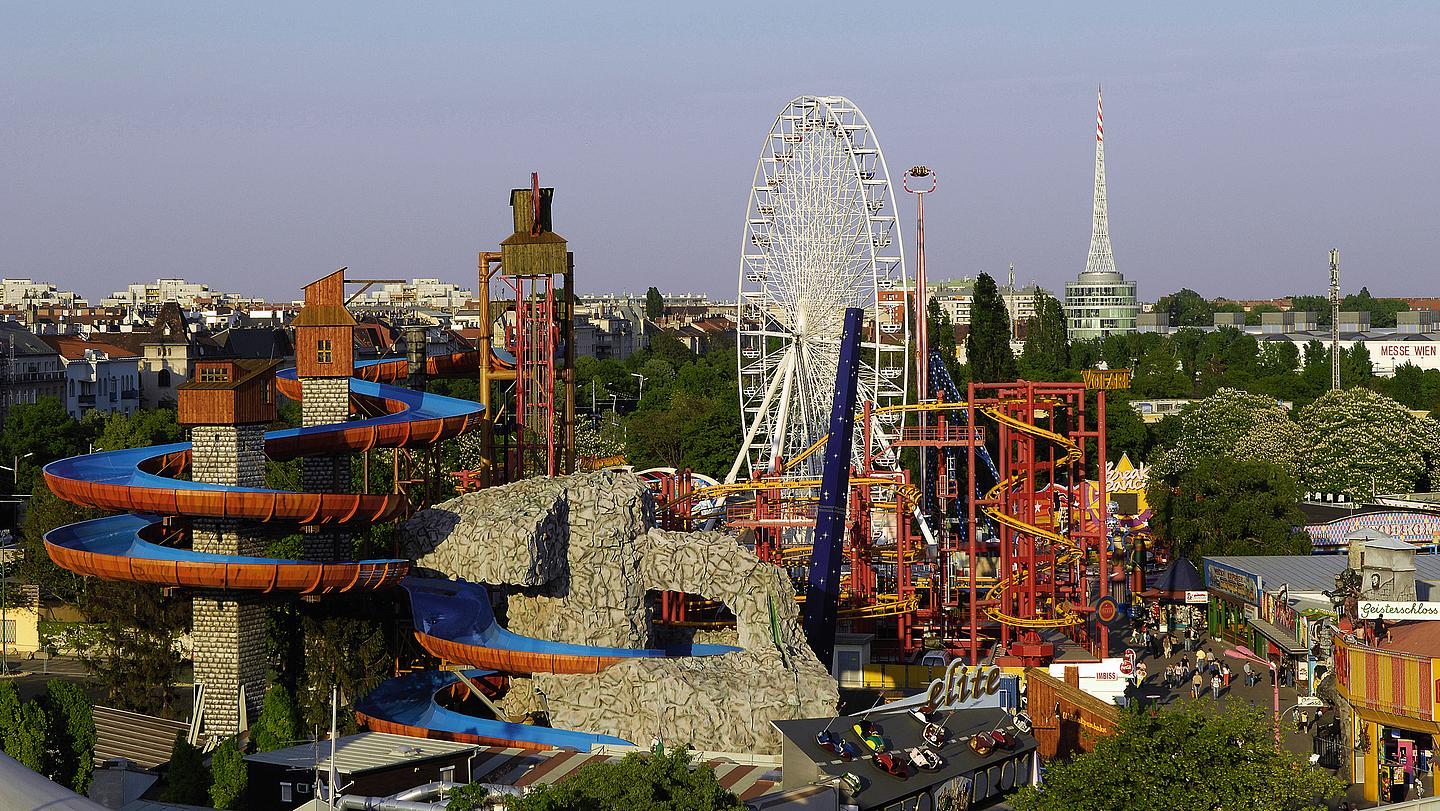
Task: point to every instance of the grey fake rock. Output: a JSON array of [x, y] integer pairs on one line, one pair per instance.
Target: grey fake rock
[[574, 557]]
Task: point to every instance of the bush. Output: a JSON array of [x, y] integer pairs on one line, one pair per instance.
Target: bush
[[72, 735], [227, 767], [187, 779]]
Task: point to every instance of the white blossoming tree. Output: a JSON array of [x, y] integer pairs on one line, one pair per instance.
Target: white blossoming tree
[[1236, 424], [1357, 441]]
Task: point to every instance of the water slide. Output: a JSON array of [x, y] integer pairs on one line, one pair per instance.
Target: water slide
[[453, 617]]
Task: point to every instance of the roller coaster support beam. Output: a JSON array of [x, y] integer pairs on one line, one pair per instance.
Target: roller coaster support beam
[[822, 593], [488, 471]]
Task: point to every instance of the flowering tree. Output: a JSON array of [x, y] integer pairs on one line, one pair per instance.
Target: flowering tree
[[1236, 424], [1358, 441]]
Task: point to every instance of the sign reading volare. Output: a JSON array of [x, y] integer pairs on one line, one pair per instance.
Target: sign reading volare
[[1232, 582], [1106, 379], [1373, 609]]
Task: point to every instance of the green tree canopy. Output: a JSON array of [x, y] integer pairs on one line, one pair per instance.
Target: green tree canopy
[[1046, 354], [1225, 506], [654, 303], [1184, 758], [72, 735], [664, 781], [1358, 440], [132, 656], [987, 347], [36, 434], [149, 426], [228, 775], [1187, 309], [187, 779], [279, 723], [26, 737]]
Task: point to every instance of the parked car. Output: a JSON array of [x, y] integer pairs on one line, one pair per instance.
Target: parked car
[[934, 658]]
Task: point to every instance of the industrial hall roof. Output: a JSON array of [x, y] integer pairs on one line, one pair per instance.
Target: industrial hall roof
[[1313, 572]]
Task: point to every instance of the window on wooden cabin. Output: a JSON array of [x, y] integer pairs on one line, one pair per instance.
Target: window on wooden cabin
[[324, 351], [214, 374]]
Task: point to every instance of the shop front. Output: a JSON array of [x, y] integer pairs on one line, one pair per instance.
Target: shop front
[[1386, 704], [1276, 628], [1234, 602]]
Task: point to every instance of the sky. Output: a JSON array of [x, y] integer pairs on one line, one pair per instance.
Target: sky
[[255, 146]]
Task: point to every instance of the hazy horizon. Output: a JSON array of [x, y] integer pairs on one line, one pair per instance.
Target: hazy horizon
[[254, 148]]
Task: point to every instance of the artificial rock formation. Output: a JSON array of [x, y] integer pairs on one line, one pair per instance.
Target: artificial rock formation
[[575, 556]]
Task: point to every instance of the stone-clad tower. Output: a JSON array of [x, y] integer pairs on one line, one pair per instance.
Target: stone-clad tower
[[227, 406], [324, 362]]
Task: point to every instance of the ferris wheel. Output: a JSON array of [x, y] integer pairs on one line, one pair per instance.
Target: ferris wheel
[[820, 236]]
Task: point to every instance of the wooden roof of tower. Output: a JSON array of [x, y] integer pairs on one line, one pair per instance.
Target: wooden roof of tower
[[534, 249], [325, 303]]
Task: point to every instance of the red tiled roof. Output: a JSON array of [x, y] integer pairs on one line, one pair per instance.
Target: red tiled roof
[[73, 348]]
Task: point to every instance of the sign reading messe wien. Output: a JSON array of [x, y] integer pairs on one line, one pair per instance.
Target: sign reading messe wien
[[1372, 609]]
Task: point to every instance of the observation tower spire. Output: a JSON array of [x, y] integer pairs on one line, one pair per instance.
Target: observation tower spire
[[1101, 260]]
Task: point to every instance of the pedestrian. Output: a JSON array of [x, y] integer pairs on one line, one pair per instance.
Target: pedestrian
[[1200, 659], [1215, 686], [1169, 645], [1225, 674], [1141, 672], [1195, 682], [1189, 639], [1249, 675], [1184, 666]]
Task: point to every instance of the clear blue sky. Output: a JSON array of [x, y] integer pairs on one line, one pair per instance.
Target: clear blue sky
[[257, 146]]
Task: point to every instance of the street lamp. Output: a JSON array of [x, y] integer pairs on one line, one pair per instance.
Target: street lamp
[[642, 387], [1242, 652]]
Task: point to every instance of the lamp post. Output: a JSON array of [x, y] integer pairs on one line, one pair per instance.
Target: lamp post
[[1242, 652], [4, 581], [640, 396]]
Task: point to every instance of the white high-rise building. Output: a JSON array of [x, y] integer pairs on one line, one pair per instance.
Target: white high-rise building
[[1100, 302]]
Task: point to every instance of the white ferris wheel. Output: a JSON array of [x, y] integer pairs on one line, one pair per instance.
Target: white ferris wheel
[[820, 236]]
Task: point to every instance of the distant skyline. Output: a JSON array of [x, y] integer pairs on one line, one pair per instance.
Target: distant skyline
[[256, 147]]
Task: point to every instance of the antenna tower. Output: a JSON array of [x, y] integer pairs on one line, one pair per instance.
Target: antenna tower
[[1334, 319]]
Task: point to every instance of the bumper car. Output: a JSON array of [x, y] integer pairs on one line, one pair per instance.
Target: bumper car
[[925, 759], [869, 734], [982, 744], [833, 743], [934, 734], [894, 764]]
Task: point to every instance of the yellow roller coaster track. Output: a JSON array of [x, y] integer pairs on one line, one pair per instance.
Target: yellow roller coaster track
[[1069, 551]]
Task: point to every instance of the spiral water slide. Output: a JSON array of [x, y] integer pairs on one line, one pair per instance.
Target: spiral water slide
[[452, 619]]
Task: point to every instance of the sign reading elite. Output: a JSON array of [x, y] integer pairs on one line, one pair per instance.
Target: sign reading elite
[[960, 684]]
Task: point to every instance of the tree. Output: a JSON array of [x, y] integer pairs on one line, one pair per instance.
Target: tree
[[9, 709], [1187, 309], [1232, 424], [663, 781], [1359, 441], [48, 511], [43, 431], [1226, 506], [1046, 354], [72, 735], [151, 426], [654, 304], [279, 723], [26, 739], [132, 657], [228, 775], [186, 777], [344, 649], [1158, 373], [1184, 758], [940, 331], [469, 797], [987, 347]]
